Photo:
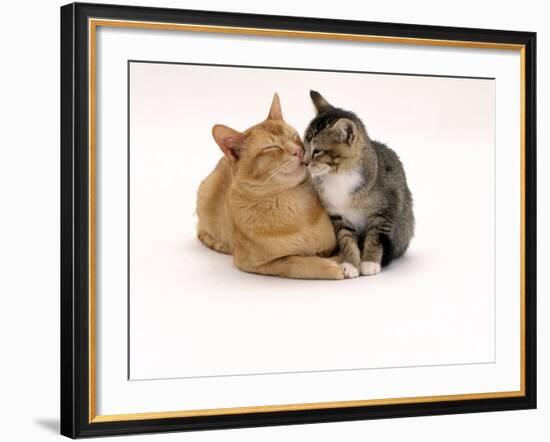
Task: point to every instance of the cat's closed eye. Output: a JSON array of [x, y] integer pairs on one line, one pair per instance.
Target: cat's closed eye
[[267, 149]]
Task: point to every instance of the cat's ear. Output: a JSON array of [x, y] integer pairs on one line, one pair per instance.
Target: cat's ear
[[319, 101], [231, 142], [346, 130], [275, 112]]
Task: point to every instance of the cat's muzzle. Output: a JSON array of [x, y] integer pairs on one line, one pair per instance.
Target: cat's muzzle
[[318, 169]]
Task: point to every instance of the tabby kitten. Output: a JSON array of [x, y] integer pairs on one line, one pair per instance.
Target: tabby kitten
[[362, 185]]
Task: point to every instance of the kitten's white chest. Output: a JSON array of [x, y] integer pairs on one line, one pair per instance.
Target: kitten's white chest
[[336, 195]]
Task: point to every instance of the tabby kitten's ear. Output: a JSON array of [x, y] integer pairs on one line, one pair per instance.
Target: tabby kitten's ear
[[230, 141], [275, 112], [319, 101], [346, 130]]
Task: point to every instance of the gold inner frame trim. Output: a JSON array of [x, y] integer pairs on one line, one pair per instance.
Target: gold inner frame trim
[[92, 27], [306, 406], [299, 34]]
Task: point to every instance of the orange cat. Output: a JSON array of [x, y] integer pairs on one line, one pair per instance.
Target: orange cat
[[260, 206]]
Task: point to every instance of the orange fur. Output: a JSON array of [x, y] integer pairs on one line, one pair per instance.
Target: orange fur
[[259, 204]]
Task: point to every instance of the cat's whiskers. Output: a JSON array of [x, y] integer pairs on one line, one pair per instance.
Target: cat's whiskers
[[270, 176]]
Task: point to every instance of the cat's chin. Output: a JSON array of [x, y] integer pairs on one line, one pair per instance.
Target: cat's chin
[[297, 176], [298, 171], [293, 179]]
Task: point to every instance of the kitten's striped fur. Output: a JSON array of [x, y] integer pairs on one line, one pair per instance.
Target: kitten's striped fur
[[363, 186]]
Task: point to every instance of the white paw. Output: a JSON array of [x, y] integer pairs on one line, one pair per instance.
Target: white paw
[[370, 268], [350, 271]]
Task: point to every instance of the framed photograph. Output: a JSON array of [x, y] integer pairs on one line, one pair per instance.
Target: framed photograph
[[272, 220]]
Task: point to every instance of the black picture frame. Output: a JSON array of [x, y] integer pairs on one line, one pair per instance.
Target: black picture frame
[[75, 219]]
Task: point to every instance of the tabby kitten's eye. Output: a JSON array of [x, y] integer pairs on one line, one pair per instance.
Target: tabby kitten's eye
[[316, 153]]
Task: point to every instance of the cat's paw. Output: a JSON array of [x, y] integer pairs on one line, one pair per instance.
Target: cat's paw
[[350, 271], [330, 269], [370, 268]]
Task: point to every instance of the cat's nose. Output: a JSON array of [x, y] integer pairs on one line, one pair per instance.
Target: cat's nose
[[306, 159], [298, 152]]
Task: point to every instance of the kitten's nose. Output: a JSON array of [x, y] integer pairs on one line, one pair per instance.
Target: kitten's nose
[[307, 159]]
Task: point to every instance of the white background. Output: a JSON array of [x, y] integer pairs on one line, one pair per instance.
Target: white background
[[29, 179], [183, 294]]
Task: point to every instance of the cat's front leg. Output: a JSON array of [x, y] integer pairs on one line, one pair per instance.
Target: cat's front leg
[[371, 259], [347, 239], [298, 267]]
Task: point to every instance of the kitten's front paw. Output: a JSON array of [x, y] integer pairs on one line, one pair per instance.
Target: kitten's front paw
[[350, 271], [370, 268]]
